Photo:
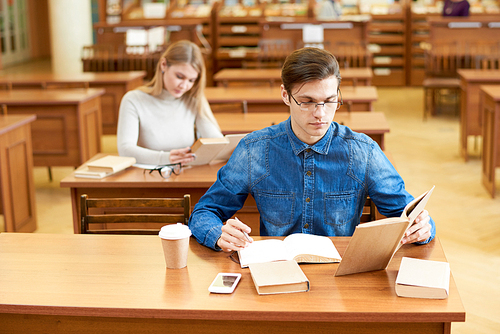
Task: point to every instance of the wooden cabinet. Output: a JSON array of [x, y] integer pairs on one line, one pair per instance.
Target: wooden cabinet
[[387, 38]]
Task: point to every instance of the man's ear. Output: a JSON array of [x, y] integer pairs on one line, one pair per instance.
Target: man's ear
[[284, 96]]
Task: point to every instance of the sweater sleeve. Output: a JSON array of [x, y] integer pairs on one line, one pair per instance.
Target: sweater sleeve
[[206, 124], [128, 135]]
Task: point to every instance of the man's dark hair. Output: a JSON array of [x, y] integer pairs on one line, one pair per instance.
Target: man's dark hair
[[308, 64]]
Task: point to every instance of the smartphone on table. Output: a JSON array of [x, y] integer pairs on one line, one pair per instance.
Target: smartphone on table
[[224, 283]]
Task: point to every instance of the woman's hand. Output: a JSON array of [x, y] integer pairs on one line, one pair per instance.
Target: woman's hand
[[182, 155]]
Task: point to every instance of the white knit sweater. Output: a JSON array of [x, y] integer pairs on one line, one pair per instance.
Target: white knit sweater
[[149, 127]]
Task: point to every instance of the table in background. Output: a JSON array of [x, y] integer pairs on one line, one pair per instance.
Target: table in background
[[268, 99], [116, 84], [133, 182], [357, 76], [17, 187], [374, 124], [119, 283], [67, 131], [490, 97], [471, 120]]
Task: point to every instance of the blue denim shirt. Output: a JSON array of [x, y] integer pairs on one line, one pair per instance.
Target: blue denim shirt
[[299, 188]]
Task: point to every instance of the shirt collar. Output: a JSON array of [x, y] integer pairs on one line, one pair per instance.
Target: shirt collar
[[298, 146]]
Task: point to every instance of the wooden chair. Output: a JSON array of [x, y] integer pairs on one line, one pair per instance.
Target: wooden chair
[[370, 212], [353, 54], [441, 63], [272, 53], [132, 215]]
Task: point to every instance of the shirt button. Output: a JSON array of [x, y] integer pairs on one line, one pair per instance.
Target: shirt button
[[306, 225], [308, 150], [308, 200], [308, 173]]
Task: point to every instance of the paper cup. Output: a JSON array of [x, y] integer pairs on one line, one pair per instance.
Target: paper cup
[[175, 242]]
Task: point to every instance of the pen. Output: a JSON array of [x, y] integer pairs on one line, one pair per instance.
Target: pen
[[244, 233]]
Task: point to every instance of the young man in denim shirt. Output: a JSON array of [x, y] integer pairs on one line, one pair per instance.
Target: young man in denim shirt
[[307, 174]]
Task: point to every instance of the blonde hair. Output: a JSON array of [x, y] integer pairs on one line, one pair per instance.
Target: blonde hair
[[184, 52]]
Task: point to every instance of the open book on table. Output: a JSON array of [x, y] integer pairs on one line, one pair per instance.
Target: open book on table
[[373, 244], [303, 248], [211, 149]]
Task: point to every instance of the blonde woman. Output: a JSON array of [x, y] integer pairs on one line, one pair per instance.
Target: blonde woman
[[157, 121]]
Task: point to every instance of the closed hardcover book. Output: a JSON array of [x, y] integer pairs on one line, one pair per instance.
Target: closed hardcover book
[[419, 278], [110, 164], [278, 277], [206, 149]]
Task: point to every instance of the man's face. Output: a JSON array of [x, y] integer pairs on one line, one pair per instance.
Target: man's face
[[311, 126]]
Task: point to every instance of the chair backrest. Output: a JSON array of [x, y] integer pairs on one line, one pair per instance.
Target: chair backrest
[[3, 109], [443, 59], [132, 215], [272, 53], [370, 212], [351, 54]]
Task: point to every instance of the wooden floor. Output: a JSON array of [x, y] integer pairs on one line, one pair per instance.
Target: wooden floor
[[426, 153]]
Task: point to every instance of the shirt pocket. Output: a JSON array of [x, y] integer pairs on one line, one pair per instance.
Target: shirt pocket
[[340, 209], [276, 207]]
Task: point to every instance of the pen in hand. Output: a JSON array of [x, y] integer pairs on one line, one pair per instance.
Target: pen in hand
[[244, 233]]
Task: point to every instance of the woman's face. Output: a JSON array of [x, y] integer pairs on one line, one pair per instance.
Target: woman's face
[[178, 78]]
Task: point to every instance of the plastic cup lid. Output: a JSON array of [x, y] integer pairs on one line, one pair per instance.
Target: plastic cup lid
[[175, 231]]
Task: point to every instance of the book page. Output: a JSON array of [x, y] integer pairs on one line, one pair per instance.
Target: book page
[[415, 207], [311, 248], [263, 251]]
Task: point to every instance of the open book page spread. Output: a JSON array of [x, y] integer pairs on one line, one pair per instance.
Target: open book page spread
[[311, 248], [263, 251], [299, 247]]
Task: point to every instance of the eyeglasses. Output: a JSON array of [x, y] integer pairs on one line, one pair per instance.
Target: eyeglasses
[[311, 106], [166, 170]]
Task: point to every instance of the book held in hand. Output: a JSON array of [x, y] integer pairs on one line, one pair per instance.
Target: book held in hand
[[300, 247], [373, 244], [419, 278], [108, 165], [278, 277], [211, 149]]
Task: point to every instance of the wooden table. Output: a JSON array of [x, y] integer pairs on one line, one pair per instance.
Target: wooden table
[[133, 182], [357, 76], [67, 131], [374, 124], [113, 283], [17, 187], [116, 84], [490, 97], [471, 120], [268, 99]]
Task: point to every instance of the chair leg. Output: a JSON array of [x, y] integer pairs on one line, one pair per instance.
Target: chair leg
[[50, 173]]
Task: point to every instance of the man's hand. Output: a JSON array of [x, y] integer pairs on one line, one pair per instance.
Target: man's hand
[[420, 230], [233, 238], [182, 155]]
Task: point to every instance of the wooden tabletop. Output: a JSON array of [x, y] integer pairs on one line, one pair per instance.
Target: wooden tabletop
[[492, 90], [273, 94], [125, 276], [90, 77], [472, 75], [266, 74], [49, 96], [9, 122], [366, 122], [133, 177]]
